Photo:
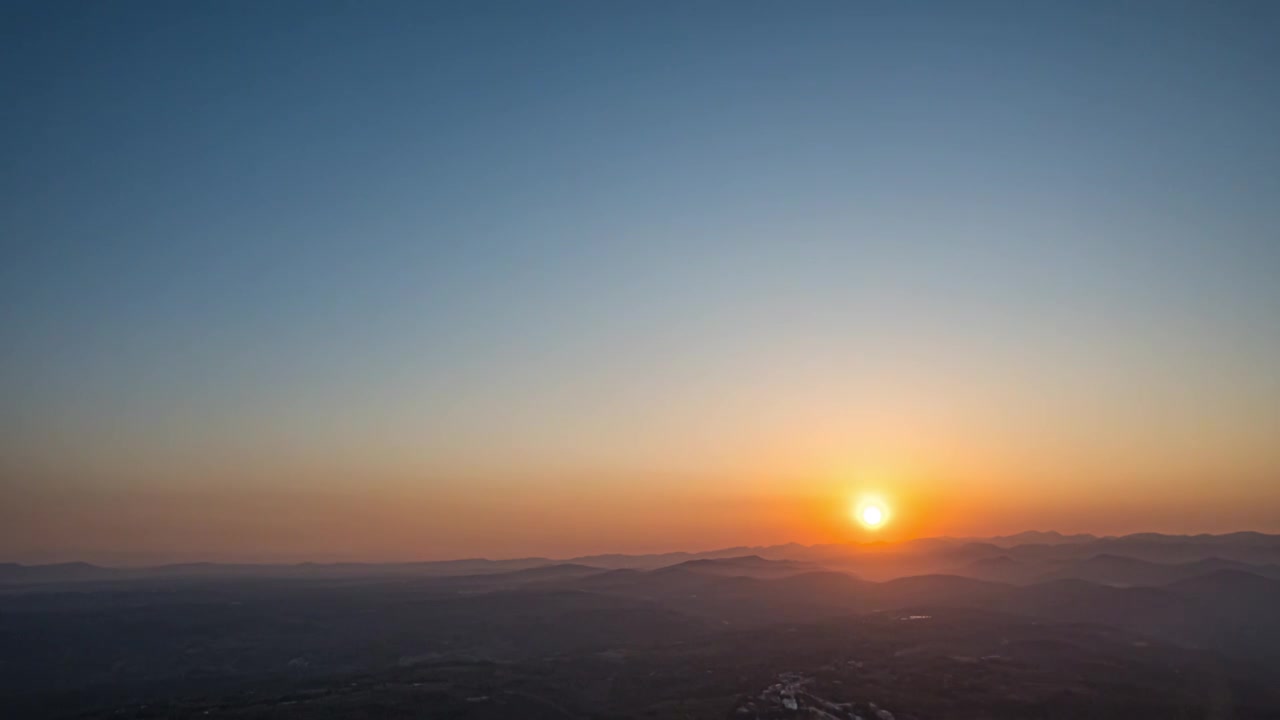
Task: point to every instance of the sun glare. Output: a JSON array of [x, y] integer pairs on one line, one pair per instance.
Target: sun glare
[[872, 514]]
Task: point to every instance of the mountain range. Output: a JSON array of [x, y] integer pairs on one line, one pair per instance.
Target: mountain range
[[1137, 559]]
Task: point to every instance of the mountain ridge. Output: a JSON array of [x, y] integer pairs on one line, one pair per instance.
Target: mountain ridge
[[1259, 551]]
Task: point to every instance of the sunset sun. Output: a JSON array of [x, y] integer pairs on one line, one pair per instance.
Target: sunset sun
[[872, 515]]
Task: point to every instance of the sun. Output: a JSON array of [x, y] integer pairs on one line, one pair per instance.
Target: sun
[[873, 514]]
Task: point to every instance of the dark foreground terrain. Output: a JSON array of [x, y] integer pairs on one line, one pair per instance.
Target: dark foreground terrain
[[1192, 633]]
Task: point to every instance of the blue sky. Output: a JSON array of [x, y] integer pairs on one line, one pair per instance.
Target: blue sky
[[457, 240]]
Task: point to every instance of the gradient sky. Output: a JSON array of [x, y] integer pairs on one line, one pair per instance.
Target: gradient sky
[[320, 280]]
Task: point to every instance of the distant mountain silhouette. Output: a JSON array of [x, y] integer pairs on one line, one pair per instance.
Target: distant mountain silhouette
[[1000, 568], [1138, 559], [744, 566], [1109, 569], [58, 572], [1036, 537]]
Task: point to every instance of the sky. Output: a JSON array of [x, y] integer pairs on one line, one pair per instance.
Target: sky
[[388, 281]]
